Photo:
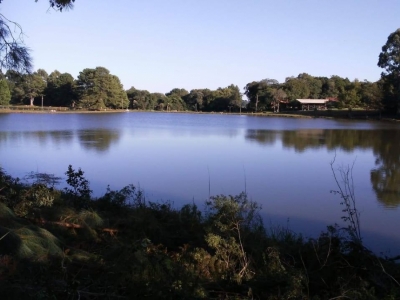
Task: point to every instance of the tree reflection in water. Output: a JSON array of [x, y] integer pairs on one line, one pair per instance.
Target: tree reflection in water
[[99, 140], [385, 145]]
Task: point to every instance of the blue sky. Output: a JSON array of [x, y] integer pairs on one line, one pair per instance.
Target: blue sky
[[159, 45]]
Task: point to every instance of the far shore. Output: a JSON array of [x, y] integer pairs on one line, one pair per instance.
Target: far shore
[[326, 114]]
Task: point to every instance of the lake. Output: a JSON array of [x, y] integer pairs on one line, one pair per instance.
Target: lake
[[282, 163]]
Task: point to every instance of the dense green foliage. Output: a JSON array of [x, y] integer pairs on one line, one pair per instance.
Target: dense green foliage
[[122, 246], [60, 90], [97, 89], [5, 95], [389, 59], [269, 93]]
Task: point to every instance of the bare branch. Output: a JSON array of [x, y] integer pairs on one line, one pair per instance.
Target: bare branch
[[390, 276], [347, 194]]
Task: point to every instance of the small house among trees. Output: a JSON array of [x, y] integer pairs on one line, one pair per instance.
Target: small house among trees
[[313, 104]]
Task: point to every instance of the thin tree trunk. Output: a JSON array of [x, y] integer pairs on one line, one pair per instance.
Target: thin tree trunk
[[398, 98], [257, 102]]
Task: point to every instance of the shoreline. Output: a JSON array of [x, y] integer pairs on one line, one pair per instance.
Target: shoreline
[[356, 115]]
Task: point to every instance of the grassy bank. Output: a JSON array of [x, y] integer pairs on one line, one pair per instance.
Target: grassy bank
[[64, 244]]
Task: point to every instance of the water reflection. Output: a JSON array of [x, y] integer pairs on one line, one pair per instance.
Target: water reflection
[[385, 177], [99, 140], [261, 136], [41, 137]]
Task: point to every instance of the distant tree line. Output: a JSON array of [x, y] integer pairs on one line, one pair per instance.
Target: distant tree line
[[98, 89], [269, 93]]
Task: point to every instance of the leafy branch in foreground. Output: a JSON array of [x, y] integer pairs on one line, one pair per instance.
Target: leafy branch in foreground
[[232, 219], [79, 191]]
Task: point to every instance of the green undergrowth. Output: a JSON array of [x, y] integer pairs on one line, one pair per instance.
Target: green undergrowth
[[64, 244]]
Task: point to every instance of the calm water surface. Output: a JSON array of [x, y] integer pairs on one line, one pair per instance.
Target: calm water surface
[[282, 162]]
